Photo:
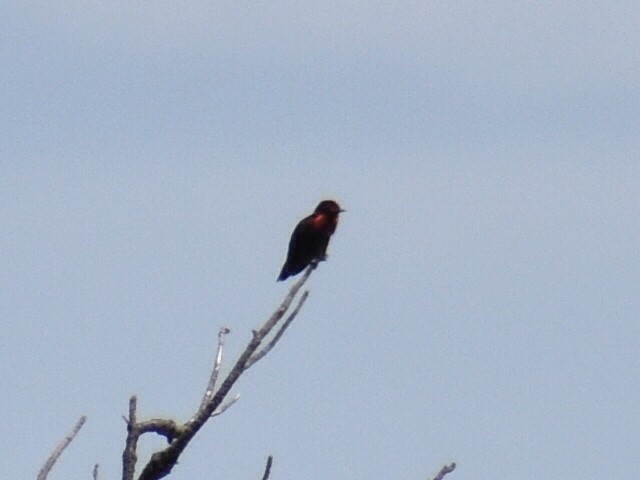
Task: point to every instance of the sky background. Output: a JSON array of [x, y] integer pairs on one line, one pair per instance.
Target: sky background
[[481, 299]]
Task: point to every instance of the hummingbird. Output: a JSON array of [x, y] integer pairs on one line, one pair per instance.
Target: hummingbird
[[310, 238]]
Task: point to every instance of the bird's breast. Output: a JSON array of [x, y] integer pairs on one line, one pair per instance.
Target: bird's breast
[[324, 223]]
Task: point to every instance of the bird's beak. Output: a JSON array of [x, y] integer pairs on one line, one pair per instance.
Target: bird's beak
[[342, 210]]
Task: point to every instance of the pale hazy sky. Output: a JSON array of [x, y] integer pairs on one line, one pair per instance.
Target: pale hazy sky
[[480, 303]]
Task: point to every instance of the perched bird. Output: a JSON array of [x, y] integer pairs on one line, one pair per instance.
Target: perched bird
[[310, 238]]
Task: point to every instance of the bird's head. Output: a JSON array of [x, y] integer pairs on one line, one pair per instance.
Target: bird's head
[[328, 207]]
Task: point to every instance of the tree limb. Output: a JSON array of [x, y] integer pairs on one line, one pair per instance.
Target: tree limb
[[259, 355], [227, 405], [267, 468], [53, 458], [445, 470], [129, 456], [163, 461], [167, 428]]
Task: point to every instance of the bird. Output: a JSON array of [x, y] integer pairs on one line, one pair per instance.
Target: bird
[[310, 238]]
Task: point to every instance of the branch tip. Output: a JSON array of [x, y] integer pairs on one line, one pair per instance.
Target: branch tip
[[53, 458], [267, 468], [446, 469]]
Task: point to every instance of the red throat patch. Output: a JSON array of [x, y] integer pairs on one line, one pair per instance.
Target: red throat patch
[[325, 223], [320, 221]]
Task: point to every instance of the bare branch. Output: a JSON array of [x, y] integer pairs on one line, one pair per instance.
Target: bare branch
[[267, 468], [53, 458], [444, 471], [129, 456], [224, 407], [259, 355], [216, 368], [166, 428], [163, 461], [95, 471]]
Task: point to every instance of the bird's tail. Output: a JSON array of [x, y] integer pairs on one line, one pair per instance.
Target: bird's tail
[[284, 274]]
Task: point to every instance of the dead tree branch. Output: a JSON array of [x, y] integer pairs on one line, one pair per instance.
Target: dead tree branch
[[259, 355], [214, 401], [267, 468], [227, 405], [167, 428], [53, 458], [444, 471], [216, 368], [211, 405], [129, 456]]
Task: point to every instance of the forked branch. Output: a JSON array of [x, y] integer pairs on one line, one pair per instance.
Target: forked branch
[[211, 405]]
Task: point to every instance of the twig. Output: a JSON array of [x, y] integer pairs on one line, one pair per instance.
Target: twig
[[129, 456], [163, 461], [53, 458], [258, 355], [224, 407], [95, 472], [445, 470], [216, 369], [267, 468]]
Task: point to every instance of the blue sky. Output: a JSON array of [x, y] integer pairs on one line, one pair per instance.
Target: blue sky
[[480, 302]]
